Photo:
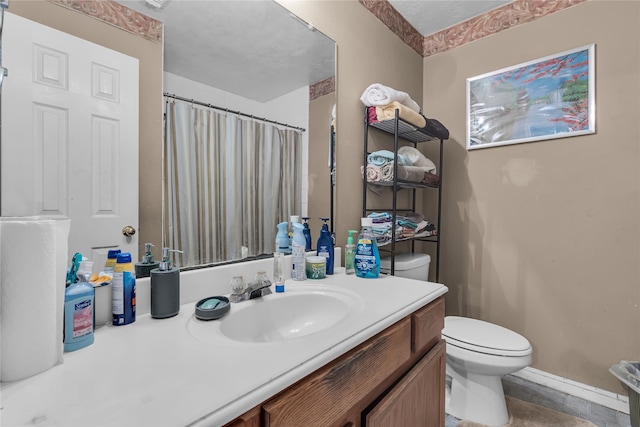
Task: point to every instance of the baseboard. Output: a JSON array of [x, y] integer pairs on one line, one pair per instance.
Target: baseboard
[[601, 397]]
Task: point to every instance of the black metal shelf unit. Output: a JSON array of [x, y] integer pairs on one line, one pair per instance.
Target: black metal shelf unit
[[403, 130]]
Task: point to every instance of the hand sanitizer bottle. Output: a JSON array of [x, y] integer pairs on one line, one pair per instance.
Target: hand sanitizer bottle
[[350, 254]]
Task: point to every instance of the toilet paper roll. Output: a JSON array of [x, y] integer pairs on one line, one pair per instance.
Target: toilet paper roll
[[33, 260]]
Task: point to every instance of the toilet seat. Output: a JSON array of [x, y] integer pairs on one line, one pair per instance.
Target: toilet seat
[[484, 337]]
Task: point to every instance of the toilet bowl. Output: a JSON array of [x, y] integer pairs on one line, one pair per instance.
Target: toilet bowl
[[478, 355]]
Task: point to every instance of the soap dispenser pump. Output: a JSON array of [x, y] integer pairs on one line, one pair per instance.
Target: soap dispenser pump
[[325, 245], [165, 288], [307, 232], [143, 268]]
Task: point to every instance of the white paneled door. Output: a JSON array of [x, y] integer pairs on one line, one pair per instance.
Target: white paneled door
[[69, 141]]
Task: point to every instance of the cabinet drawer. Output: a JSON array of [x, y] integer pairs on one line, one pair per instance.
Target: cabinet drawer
[[428, 323], [324, 397], [417, 399]]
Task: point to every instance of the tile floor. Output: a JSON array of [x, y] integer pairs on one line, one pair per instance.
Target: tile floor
[[553, 399]]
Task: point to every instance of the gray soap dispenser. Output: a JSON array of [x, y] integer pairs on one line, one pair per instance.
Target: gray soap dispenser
[[165, 288], [143, 268]]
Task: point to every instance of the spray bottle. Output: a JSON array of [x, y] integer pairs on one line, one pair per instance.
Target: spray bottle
[[350, 254], [282, 239], [295, 219], [298, 254]]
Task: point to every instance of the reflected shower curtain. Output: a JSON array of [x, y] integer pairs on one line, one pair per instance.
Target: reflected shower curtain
[[228, 182]]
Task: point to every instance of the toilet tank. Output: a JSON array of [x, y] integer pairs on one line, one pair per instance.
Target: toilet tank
[[409, 265]]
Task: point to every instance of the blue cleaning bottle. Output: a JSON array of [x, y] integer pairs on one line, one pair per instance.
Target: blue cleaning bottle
[[79, 301], [367, 259], [282, 239], [325, 245], [307, 233]]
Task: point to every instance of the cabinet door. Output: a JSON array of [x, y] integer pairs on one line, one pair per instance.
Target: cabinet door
[[327, 397], [418, 399]]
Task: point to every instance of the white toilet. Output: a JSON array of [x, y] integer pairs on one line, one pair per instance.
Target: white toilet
[[478, 355]]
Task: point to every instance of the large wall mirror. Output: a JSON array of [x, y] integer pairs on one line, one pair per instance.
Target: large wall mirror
[[261, 81]]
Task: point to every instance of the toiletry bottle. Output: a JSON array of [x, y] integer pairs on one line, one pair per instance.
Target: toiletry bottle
[[350, 253], [298, 254], [278, 271], [282, 239], [325, 245], [110, 265], [295, 219], [165, 288], [79, 301], [367, 259], [123, 289], [307, 233], [143, 268]]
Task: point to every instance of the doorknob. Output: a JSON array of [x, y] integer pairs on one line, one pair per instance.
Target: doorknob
[[128, 231]]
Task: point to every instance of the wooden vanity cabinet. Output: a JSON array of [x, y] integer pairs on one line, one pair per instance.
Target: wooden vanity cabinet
[[395, 378]]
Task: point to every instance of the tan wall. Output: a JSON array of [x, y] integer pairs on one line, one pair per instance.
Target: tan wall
[[367, 53], [540, 237], [544, 237], [319, 183], [149, 55]]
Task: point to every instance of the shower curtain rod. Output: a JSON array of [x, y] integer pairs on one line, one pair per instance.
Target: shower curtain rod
[[204, 104]]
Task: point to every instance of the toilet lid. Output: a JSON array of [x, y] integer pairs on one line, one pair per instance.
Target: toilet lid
[[484, 337]]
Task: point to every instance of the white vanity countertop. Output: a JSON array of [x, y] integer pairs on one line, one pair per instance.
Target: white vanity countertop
[[154, 372]]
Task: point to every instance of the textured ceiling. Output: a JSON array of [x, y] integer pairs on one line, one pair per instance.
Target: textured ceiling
[[255, 49], [258, 50], [431, 16]]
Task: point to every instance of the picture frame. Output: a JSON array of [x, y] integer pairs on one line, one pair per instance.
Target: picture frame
[[547, 98]]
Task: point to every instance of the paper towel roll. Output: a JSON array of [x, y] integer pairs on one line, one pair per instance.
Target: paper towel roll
[[33, 264]]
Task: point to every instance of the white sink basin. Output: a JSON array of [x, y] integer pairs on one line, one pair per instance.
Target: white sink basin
[[300, 311]]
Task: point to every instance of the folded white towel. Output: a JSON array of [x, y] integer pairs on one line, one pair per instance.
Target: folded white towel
[[378, 94]]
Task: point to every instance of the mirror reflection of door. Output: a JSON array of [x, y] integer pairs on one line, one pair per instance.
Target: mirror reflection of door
[[70, 136]]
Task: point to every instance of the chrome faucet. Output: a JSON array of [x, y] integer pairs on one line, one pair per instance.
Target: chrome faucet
[[256, 289]]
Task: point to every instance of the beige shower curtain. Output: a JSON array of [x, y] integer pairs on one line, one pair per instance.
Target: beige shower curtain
[[228, 182]]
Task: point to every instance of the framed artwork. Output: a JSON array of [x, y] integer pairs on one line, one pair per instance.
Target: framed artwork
[[550, 97]]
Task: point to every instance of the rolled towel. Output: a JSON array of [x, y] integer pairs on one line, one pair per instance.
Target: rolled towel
[[381, 157], [372, 113], [378, 94], [388, 112], [386, 172], [417, 158], [373, 173]]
